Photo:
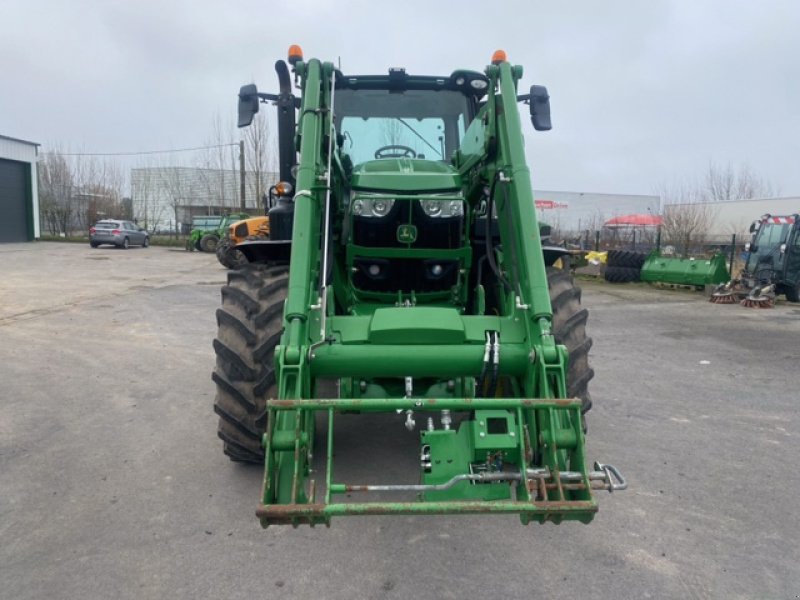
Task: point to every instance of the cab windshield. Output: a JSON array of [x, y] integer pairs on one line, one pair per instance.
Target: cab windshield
[[425, 124], [768, 240]]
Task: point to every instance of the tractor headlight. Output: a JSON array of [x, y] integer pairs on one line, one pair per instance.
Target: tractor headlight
[[367, 207], [432, 208], [380, 208], [443, 208]]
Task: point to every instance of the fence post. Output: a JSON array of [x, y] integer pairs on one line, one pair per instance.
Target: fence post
[[658, 240], [733, 253]]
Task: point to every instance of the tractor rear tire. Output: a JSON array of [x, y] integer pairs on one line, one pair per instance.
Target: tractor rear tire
[[228, 256], [569, 328], [208, 243], [250, 324]]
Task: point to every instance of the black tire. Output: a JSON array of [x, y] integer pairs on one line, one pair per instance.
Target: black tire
[[625, 258], [228, 256], [569, 328], [637, 260], [250, 324], [612, 258], [146, 242], [94, 244], [208, 243], [126, 243], [793, 292], [622, 274]]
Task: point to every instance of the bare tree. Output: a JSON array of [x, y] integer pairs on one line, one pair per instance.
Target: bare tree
[[56, 185], [260, 156], [686, 217], [724, 183], [98, 190], [220, 162]]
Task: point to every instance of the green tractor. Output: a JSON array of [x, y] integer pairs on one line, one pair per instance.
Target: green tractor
[[207, 231], [405, 281]]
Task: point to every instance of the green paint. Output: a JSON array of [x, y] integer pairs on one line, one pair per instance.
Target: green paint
[[405, 301]]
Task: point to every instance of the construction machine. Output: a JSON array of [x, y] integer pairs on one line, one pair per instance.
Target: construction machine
[[404, 286], [207, 231], [253, 228], [772, 267]]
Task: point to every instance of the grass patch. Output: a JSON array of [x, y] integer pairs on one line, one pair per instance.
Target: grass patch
[[155, 240]]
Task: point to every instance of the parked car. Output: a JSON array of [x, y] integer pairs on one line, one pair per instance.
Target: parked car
[[119, 233]]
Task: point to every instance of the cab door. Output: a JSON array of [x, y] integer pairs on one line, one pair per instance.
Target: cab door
[[792, 267]]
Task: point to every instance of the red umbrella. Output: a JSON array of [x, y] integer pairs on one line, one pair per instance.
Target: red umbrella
[[647, 220]]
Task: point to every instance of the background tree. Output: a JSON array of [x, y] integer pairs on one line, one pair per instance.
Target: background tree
[[261, 161], [686, 218], [724, 183]]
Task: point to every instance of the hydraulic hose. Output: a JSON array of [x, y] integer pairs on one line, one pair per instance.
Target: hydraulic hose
[[488, 236]]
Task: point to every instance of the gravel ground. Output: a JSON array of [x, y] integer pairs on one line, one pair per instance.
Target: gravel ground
[[114, 484]]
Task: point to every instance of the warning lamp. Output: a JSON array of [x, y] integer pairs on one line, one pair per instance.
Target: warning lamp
[[283, 188], [295, 54], [498, 57]]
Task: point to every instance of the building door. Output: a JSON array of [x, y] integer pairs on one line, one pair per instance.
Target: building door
[[15, 204]]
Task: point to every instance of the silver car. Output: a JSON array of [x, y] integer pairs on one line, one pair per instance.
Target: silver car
[[120, 233]]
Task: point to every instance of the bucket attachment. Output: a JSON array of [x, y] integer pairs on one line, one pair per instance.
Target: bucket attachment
[[510, 455], [685, 271]]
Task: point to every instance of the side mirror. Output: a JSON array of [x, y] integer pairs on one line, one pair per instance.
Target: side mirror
[[753, 226], [248, 104], [539, 102]]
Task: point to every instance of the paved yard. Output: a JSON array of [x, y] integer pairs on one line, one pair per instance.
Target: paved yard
[[114, 484]]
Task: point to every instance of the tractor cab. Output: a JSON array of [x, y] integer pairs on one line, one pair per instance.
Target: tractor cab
[[774, 250]]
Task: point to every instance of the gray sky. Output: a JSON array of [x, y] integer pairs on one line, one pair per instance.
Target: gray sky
[[641, 92]]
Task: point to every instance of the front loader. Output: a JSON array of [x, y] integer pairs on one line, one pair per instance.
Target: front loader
[[405, 276]]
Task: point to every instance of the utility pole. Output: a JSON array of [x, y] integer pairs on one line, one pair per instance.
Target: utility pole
[[241, 176]]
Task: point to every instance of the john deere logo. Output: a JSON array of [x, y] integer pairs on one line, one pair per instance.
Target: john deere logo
[[407, 234]]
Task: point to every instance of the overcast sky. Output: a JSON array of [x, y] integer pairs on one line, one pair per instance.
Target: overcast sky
[[641, 92]]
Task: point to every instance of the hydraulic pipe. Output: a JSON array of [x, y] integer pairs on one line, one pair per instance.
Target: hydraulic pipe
[[372, 360]]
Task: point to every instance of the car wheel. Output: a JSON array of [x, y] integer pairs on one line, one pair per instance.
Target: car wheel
[[94, 244], [146, 242], [125, 244]]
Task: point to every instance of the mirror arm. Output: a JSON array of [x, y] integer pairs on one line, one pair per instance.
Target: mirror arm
[[526, 98]]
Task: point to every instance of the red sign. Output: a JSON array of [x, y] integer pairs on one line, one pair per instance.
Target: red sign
[[549, 204]]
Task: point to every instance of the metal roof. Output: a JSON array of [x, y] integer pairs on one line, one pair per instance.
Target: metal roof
[[13, 139]]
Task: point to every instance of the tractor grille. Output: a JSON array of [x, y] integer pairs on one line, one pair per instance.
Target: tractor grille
[[407, 274], [431, 232]]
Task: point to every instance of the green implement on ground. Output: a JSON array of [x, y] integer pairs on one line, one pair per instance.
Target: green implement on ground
[[685, 271], [405, 284]]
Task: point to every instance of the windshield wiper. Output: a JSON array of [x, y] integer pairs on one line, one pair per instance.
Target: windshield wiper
[[414, 131]]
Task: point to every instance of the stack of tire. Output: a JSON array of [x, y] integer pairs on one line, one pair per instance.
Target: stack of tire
[[624, 266]]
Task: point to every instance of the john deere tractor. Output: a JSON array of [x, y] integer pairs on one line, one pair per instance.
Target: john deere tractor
[[404, 284], [772, 267]]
